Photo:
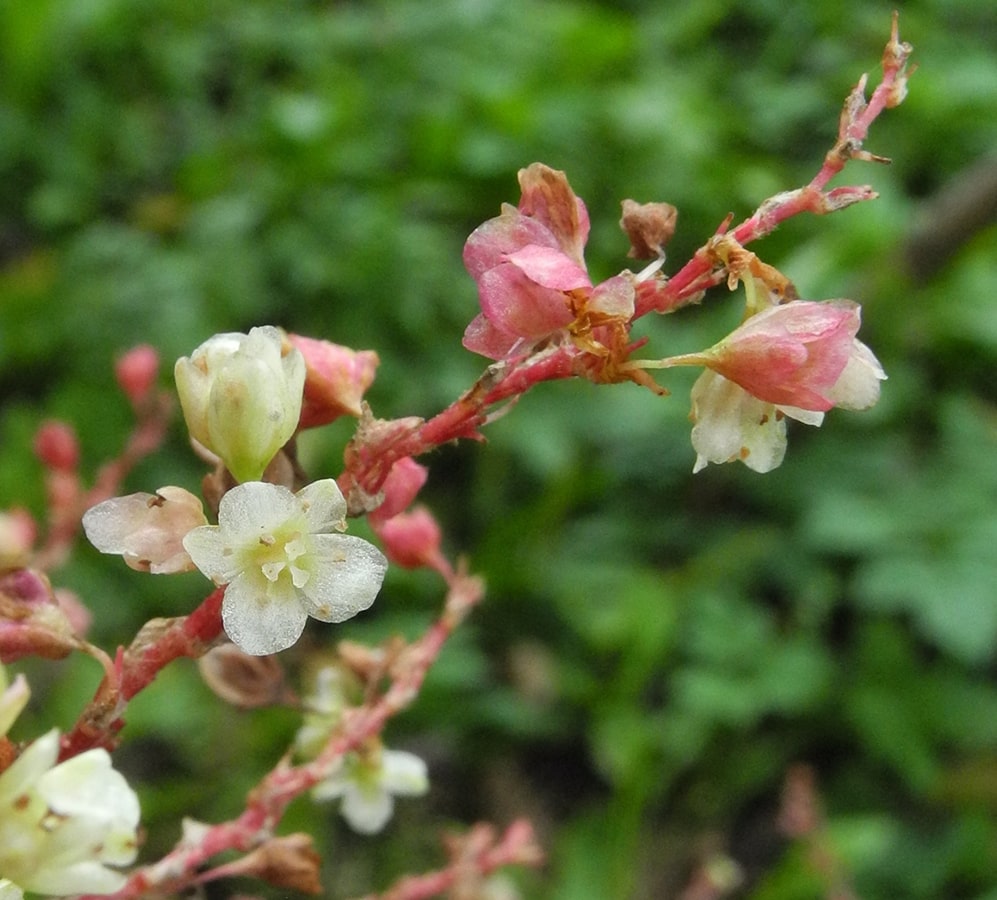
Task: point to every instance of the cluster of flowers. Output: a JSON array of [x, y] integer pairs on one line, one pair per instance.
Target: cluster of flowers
[[278, 554]]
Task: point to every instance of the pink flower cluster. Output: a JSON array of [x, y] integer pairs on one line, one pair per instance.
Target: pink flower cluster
[[532, 281]]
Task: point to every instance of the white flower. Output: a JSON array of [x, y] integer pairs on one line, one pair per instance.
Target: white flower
[[146, 529], [281, 562], [368, 787], [9, 890], [241, 397], [13, 698], [731, 424], [62, 825]]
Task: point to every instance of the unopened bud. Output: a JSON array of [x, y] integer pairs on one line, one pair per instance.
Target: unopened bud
[[241, 397], [400, 488], [17, 536], [411, 539], [336, 379], [57, 447], [136, 372], [31, 621]]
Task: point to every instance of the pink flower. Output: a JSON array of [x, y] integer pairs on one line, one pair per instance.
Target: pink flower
[[801, 354], [531, 275]]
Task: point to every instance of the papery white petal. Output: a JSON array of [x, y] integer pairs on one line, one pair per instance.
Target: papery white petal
[[83, 877], [87, 786], [211, 553], [806, 416], [10, 891], [13, 699], [33, 762], [404, 773], [258, 621], [333, 787], [858, 385], [255, 508], [367, 809], [324, 506], [732, 425], [346, 576]]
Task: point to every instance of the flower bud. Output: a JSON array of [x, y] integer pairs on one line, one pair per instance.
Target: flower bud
[[136, 372], [410, 539], [336, 378], [400, 488], [57, 447], [241, 397]]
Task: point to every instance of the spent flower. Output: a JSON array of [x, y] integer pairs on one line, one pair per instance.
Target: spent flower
[[282, 560], [531, 275], [147, 530], [241, 397]]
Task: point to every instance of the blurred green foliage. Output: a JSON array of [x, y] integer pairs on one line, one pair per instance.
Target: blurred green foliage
[[657, 649]]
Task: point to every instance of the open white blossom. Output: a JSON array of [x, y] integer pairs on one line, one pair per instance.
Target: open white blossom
[[62, 825], [731, 424], [368, 786], [282, 562]]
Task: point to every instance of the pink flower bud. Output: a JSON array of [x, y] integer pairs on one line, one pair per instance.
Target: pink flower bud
[[410, 539], [400, 488], [336, 379], [136, 372], [56, 446], [31, 621], [18, 533]]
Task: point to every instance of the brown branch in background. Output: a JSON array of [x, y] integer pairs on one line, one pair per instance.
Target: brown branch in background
[[961, 209]]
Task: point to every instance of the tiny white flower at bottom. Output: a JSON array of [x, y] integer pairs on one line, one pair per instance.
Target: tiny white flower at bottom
[[368, 787]]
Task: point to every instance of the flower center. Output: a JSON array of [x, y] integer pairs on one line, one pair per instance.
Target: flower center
[[283, 552]]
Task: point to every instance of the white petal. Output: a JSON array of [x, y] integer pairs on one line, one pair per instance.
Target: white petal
[[23, 772], [806, 416], [858, 385], [332, 787], [13, 699], [733, 425], [109, 524], [84, 877], [404, 773], [87, 785], [10, 891], [255, 508], [367, 811], [211, 553], [260, 624], [324, 506], [346, 575]]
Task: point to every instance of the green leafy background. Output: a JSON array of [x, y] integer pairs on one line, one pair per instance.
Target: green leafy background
[[657, 650]]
